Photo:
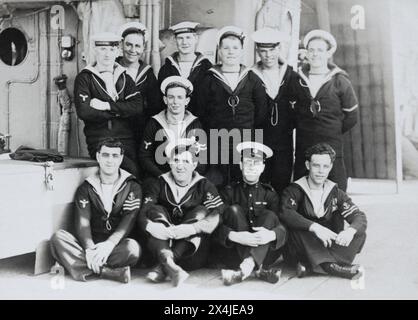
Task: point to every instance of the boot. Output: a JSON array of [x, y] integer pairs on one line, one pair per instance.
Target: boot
[[342, 271], [270, 275], [122, 274], [157, 274], [230, 277]]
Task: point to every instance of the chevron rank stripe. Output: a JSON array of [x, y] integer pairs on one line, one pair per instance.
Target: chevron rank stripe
[[349, 211]]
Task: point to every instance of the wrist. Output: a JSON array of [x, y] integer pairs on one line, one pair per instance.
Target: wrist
[[351, 230], [313, 227], [232, 236]]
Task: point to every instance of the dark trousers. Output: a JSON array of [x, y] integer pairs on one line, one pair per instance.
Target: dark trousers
[[338, 173], [305, 247], [190, 253], [66, 249], [235, 218], [278, 171], [130, 158]]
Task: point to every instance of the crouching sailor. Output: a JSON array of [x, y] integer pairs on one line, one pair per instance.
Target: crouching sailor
[[106, 207], [251, 233], [314, 209], [181, 208]]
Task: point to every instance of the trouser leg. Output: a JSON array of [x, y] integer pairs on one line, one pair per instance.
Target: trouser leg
[[126, 253], [66, 250]]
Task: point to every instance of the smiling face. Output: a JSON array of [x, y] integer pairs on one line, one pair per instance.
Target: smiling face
[[176, 100], [106, 55], [133, 46], [186, 42], [318, 53], [182, 167], [230, 51], [269, 56], [109, 160], [319, 168]]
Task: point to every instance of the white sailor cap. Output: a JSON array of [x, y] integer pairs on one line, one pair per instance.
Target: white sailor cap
[[133, 27], [317, 33], [252, 149], [177, 81], [269, 37], [184, 27], [230, 31], [181, 145], [106, 39]]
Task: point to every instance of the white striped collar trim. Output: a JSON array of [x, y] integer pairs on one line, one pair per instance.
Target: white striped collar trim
[[327, 78], [161, 119], [168, 177], [219, 75], [259, 72]]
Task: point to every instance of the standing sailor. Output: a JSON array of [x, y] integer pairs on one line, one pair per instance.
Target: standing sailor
[[107, 100], [231, 99], [185, 62], [278, 79], [328, 106], [134, 38]]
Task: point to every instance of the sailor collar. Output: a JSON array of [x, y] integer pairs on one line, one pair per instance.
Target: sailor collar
[[169, 179], [118, 70], [328, 187], [175, 61], [162, 120], [258, 70]]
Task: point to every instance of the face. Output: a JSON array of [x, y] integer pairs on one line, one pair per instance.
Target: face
[[106, 55], [182, 167], [176, 100], [109, 160], [269, 56], [186, 42], [231, 51], [133, 47], [252, 169], [318, 54], [319, 168]]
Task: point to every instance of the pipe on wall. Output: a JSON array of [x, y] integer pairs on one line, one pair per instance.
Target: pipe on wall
[[155, 53]]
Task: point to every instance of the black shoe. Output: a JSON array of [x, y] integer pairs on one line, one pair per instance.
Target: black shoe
[[157, 274], [230, 277], [122, 274], [301, 270], [343, 271], [271, 275]]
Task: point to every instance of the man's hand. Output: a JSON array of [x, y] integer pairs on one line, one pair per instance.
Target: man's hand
[[102, 252], [90, 252], [99, 104], [182, 231], [245, 238], [159, 231], [264, 235], [345, 237], [324, 234]]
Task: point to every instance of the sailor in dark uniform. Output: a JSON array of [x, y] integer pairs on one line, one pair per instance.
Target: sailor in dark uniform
[[107, 100], [185, 62], [327, 105], [250, 233], [231, 100], [134, 37], [181, 208], [278, 79], [315, 212]]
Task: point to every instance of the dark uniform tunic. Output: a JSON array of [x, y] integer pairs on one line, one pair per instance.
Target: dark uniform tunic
[[201, 206], [148, 86], [250, 206], [172, 68], [325, 118], [116, 122], [278, 127], [296, 211], [114, 226], [221, 107], [157, 136]]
